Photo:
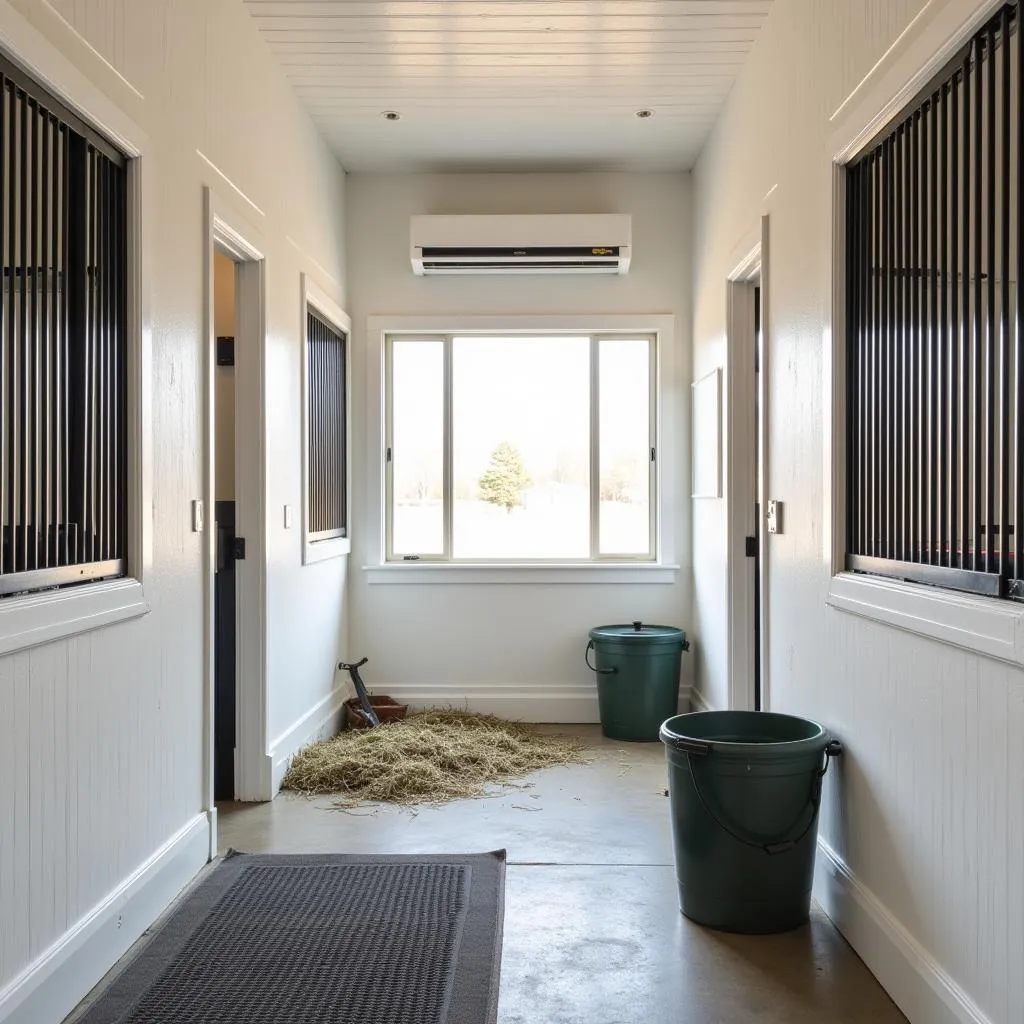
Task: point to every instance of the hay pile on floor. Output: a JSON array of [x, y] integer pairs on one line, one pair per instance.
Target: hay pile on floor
[[430, 757]]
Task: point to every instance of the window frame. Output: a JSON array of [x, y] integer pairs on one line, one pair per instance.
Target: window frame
[[319, 548], [595, 558], [993, 627], [94, 339], [46, 616]]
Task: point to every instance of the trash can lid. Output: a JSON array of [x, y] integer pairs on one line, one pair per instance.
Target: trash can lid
[[639, 632]]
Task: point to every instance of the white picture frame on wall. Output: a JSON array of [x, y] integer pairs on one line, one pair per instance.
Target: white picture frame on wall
[[706, 406]]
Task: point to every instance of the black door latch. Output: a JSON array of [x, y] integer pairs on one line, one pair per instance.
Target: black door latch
[[750, 545]]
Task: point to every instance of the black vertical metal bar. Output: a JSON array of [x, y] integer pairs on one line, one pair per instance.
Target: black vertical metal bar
[[6, 265], [1018, 515], [343, 429], [330, 342], [24, 483], [928, 377], [69, 290], [32, 480], [322, 475], [1003, 217], [899, 347], [334, 343], [863, 267], [106, 282], [91, 372], [314, 429], [991, 212], [76, 339], [317, 402], [977, 351], [885, 447], [870, 340], [58, 229], [314, 412], [881, 329], [45, 341], [917, 347], [932, 282], [330, 491], [103, 340], [13, 335], [967, 331], [854, 384], [119, 510], [944, 249]]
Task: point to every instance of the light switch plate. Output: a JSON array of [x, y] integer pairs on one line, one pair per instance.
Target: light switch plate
[[774, 517], [197, 515], [287, 517]]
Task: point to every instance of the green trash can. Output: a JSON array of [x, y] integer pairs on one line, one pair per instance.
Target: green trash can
[[637, 670], [745, 787]]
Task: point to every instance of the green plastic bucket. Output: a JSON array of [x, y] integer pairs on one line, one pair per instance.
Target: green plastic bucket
[[637, 669], [745, 787]]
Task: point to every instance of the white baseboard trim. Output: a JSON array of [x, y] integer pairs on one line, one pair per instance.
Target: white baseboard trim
[[566, 703], [697, 701], [916, 981], [323, 719], [55, 982]]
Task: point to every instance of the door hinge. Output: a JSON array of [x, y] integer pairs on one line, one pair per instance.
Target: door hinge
[[750, 547], [238, 549], [387, 455], [653, 455]]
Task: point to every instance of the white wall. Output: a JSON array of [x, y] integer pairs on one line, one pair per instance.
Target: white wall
[[101, 736], [928, 819], [516, 649]]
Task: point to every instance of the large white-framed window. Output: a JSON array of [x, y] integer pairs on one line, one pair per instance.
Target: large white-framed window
[[521, 447], [87, 333], [326, 421]]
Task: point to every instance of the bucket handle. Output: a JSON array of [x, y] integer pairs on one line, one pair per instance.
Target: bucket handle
[[594, 668], [833, 749]]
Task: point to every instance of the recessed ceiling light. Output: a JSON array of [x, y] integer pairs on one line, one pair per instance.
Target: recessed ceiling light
[[391, 115], [645, 113]]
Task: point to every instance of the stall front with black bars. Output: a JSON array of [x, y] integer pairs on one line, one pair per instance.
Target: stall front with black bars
[[326, 428], [935, 329], [62, 345]]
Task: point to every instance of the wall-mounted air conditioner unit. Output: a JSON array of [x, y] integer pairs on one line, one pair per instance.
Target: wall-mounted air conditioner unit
[[511, 244]]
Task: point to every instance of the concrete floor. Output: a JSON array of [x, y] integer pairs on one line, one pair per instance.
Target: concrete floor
[[592, 929]]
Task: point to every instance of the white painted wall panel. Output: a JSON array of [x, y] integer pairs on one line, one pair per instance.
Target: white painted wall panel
[[928, 814], [469, 636], [101, 736]]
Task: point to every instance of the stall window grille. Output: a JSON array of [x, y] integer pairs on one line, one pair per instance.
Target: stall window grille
[[327, 456], [63, 453], [935, 329]]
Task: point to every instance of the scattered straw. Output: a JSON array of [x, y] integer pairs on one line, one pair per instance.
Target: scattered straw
[[430, 757]]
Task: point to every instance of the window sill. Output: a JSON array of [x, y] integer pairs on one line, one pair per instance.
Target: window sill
[[323, 550], [42, 618], [579, 572], [979, 624]]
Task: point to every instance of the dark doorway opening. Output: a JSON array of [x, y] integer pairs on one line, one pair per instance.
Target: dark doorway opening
[[757, 498]]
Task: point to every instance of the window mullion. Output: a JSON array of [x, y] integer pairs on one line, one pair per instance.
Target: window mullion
[[448, 491], [389, 454], [595, 449], [652, 536]]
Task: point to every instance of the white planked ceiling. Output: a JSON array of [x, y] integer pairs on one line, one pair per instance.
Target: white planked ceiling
[[512, 84]]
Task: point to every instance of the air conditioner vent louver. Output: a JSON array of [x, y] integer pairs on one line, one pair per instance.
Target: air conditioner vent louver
[[505, 244]]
